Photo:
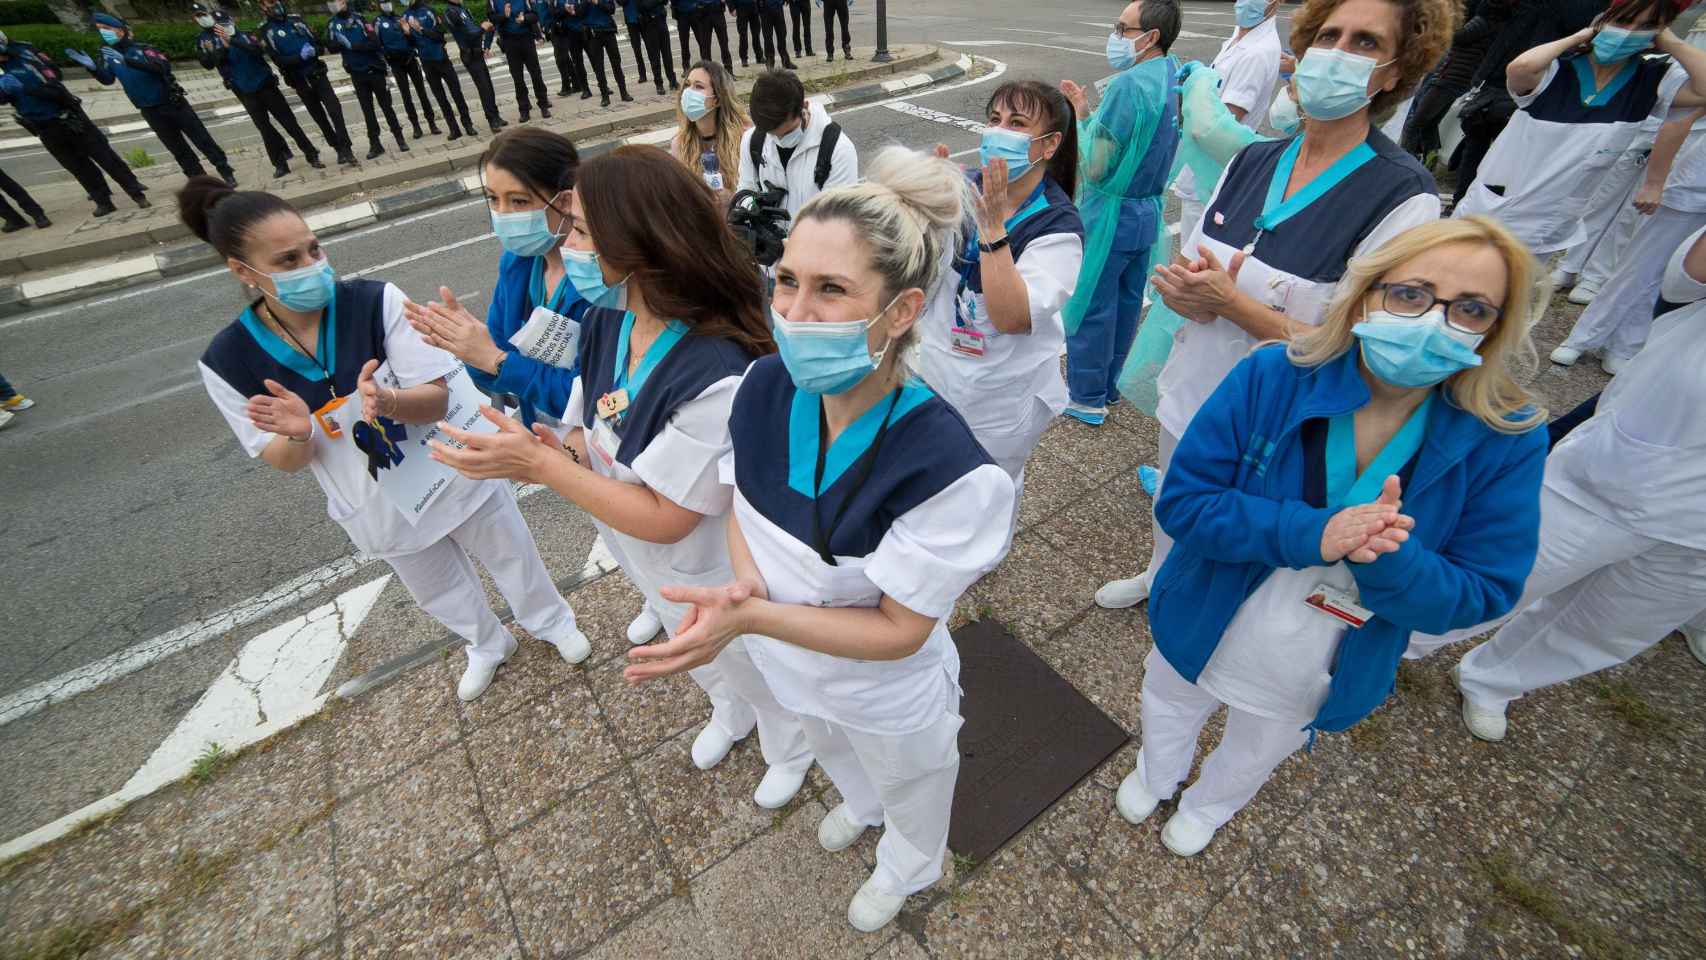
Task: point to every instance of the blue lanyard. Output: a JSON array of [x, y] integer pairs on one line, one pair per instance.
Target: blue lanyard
[[536, 288], [1033, 205], [1278, 209], [1344, 487], [673, 331]]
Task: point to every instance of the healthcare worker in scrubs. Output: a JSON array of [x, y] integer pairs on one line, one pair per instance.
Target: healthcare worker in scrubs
[[527, 173], [1249, 67], [1288, 215], [1378, 476], [1623, 530], [1126, 157], [1580, 102], [991, 334], [855, 487], [310, 343], [648, 420]]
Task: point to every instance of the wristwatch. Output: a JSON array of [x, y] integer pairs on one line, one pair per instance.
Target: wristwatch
[[992, 247]]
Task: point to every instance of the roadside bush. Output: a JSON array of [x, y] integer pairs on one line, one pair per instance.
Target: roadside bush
[[176, 40], [25, 11]]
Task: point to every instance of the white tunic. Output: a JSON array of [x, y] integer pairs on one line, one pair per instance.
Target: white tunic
[[1275, 659], [1249, 68]]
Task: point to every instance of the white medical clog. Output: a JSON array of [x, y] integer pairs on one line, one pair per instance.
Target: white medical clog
[[872, 909], [1185, 835], [778, 787], [837, 830], [575, 647], [645, 626], [1134, 801], [1119, 594], [711, 746], [1484, 723]]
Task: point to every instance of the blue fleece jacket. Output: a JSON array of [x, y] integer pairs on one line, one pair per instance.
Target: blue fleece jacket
[[543, 388], [1233, 503]]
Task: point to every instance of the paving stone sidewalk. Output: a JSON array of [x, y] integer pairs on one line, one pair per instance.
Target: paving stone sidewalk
[[560, 814]]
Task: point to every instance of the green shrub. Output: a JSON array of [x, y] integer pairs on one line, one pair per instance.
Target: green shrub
[[176, 40], [25, 11], [139, 158]]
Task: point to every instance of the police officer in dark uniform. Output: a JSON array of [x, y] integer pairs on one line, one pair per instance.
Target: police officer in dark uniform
[[685, 12], [398, 46], [654, 30], [473, 39], [54, 114], [428, 35], [33, 54], [600, 18], [146, 75], [631, 14], [746, 26], [293, 46], [565, 26], [517, 23], [238, 58], [712, 21], [348, 33], [773, 26], [800, 18]]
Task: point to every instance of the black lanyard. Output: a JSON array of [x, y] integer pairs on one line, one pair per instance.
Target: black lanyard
[[331, 384], [819, 540]]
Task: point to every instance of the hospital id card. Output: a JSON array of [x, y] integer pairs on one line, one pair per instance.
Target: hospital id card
[[604, 442], [327, 419], [549, 337], [1338, 604], [966, 341]]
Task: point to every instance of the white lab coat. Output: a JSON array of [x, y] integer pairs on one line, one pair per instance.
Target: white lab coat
[[800, 174]]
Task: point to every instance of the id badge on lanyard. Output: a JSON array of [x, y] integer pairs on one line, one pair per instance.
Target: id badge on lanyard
[[605, 441], [329, 423]]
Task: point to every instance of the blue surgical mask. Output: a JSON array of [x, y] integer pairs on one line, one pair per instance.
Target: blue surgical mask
[[524, 233], [1122, 53], [1282, 116], [693, 104], [1250, 13], [827, 358], [304, 289], [585, 273], [792, 138], [1332, 83], [108, 36], [1614, 44], [1415, 351], [1012, 146]]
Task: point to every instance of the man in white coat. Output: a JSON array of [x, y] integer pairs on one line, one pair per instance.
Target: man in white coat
[[793, 143]]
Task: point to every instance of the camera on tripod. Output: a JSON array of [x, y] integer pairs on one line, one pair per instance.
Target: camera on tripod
[[760, 220]]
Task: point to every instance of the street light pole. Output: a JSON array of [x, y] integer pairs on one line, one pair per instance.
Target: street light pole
[[882, 54]]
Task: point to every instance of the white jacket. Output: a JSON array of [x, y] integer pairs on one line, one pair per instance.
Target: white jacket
[[799, 177]]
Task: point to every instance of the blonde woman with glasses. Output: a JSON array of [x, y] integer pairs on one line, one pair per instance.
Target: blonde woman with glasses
[[1380, 475]]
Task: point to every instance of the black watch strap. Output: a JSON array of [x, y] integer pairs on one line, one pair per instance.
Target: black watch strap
[[992, 247]]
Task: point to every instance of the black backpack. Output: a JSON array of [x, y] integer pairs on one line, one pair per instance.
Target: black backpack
[[825, 153]]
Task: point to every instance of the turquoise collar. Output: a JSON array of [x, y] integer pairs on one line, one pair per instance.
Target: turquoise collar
[[1345, 488], [1585, 83], [803, 421], [673, 331], [288, 354]]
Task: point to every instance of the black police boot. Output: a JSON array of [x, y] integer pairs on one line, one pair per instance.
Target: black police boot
[[105, 207], [544, 110], [374, 149], [586, 93], [604, 100], [281, 169], [42, 222], [419, 133], [432, 124], [346, 157], [14, 224], [229, 176], [314, 161], [455, 131], [140, 199], [402, 144]]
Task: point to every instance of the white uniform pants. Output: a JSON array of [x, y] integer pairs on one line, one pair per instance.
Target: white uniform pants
[[1173, 711], [1163, 544], [904, 783], [1609, 218], [1598, 596], [1620, 317], [444, 582]]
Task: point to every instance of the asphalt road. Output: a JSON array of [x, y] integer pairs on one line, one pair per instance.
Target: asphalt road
[[129, 510]]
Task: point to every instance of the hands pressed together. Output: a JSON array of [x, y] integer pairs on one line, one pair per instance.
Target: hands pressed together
[[714, 619], [446, 324], [1201, 289], [1363, 533]]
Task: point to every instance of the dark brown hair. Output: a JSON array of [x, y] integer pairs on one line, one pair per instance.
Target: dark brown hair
[[1034, 98], [1424, 33], [544, 162], [223, 217], [1645, 13], [652, 219], [777, 97]]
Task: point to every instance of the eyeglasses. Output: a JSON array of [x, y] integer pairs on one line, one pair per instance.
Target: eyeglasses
[[1463, 314], [1122, 31]]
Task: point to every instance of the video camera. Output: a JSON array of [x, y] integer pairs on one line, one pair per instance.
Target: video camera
[[760, 220]]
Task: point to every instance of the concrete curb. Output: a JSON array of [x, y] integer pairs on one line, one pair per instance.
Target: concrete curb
[[185, 258]]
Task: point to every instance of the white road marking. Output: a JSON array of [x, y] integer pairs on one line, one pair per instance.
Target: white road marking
[[1101, 54], [936, 116]]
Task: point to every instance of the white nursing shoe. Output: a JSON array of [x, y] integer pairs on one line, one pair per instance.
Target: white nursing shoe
[[574, 647], [645, 626], [1563, 279], [872, 909], [1566, 356], [778, 787], [1583, 294], [1119, 594], [1696, 641], [1134, 801], [478, 676], [1185, 835], [1484, 723], [711, 746], [1610, 364], [837, 830]]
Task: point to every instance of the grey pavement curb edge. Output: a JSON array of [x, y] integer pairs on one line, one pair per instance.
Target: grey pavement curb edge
[[185, 258]]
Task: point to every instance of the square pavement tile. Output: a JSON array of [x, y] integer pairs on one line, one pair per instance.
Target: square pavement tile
[[1100, 452], [671, 931], [1102, 655], [386, 730], [1023, 904], [406, 831], [603, 610], [460, 914], [646, 715], [534, 669], [1660, 917], [1107, 536], [266, 793], [1036, 590], [583, 869], [783, 892], [274, 904], [703, 815], [529, 760], [1051, 484]]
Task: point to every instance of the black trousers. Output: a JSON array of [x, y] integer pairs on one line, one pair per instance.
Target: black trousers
[[800, 19], [1421, 130], [601, 44], [639, 50], [523, 59], [266, 105], [774, 29], [474, 61], [323, 106], [368, 88], [710, 22], [832, 9], [177, 126], [746, 24], [569, 50], [407, 70], [441, 76], [27, 203], [81, 148], [683, 28], [656, 34]]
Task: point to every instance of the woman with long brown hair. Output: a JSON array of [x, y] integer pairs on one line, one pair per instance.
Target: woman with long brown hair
[[648, 419], [709, 122]]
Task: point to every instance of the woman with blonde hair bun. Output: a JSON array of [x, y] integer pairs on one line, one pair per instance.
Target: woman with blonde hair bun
[[1380, 476], [858, 499]]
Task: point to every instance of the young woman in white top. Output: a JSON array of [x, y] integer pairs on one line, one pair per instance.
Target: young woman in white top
[[311, 343], [853, 533]]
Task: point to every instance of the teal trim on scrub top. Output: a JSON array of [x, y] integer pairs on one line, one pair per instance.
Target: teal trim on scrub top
[[1344, 487], [286, 353], [844, 450], [536, 288], [1278, 209], [1592, 97], [672, 333], [1030, 208]]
